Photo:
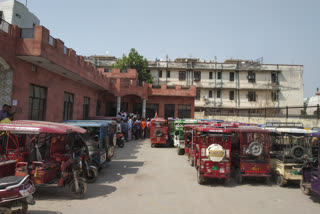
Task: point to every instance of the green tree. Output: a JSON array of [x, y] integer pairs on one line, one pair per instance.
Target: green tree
[[135, 61]]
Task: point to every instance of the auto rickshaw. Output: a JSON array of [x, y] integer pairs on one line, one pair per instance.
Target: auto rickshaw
[[51, 154], [310, 181], [102, 132], [158, 132], [289, 147], [212, 153], [250, 153], [179, 134]]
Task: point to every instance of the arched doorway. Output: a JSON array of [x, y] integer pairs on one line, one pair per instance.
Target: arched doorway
[[6, 78], [131, 104]]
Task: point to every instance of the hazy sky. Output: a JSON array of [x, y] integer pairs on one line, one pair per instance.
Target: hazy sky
[[280, 31]]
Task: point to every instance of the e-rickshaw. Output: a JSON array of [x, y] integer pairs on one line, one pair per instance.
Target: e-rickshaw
[[51, 158], [212, 153], [289, 147], [179, 134], [158, 132], [310, 181], [250, 153], [102, 132]]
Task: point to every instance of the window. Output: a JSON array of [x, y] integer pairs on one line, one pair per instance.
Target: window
[[106, 70], [182, 75], [251, 77], [68, 106], [123, 71], [219, 93], [231, 76], [231, 95], [98, 107], [274, 77], [34, 68], [37, 102], [219, 75], [198, 94], [151, 110], [210, 75], [252, 96], [274, 96], [197, 76], [168, 74], [160, 73], [210, 93], [184, 111], [86, 105]]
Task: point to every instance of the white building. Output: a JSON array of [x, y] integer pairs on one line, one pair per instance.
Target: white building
[[16, 13], [234, 83]]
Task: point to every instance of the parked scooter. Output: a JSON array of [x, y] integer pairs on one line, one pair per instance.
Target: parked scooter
[[89, 172], [120, 140], [15, 194]]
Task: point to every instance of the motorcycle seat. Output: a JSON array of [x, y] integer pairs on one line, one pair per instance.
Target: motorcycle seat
[[10, 181]]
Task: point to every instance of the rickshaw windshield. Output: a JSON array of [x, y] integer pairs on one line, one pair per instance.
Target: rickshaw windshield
[[283, 144]]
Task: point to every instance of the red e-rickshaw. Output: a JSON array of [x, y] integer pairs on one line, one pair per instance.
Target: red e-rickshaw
[[212, 153], [158, 132], [53, 157], [250, 153]]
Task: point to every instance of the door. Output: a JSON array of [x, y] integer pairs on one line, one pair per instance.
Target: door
[[168, 110]]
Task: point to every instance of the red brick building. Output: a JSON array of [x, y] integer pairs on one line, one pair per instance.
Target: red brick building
[[48, 81]]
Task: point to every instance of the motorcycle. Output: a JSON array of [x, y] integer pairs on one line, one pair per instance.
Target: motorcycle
[[89, 172], [120, 140], [16, 194]]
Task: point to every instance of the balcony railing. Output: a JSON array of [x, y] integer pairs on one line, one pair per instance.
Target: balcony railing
[[4, 26], [27, 33]]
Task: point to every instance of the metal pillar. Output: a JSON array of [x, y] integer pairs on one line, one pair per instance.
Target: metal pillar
[[118, 104], [144, 106]]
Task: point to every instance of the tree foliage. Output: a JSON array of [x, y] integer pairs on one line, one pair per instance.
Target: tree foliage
[[135, 61]]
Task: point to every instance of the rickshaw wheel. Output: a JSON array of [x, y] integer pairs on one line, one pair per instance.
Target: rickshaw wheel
[[239, 178], [93, 175], [226, 181], [304, 189], [153, 145], [200, 179], [23, 209], [83, 189], [279, 180]]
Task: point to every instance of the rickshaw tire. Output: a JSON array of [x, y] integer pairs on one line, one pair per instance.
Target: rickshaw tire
[[279, 179], [83, 186], [153, 145], [239, 178], [268, 181], [304, 190], [180, 151], [292, 152], [226, 181], [200, 179], [191, 162], [23, 210], [95, 173]]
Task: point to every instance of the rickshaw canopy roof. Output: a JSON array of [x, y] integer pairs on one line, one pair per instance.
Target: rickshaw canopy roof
[[118, 119], [90, 123], [288, 130], [185, 121], [225, 124], [159, 119], [48, 127], [37, 128], [250, 130], [212, 129]]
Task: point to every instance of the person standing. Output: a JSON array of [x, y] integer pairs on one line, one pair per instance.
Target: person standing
[[8, 118], [5, 110], [138, 129], [143, 128], [129, 128]]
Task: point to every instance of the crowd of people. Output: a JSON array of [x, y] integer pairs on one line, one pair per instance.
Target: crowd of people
[[133, 126], [6, 114]]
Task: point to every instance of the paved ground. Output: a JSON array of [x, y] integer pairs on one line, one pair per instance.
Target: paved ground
[[149, 180]]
